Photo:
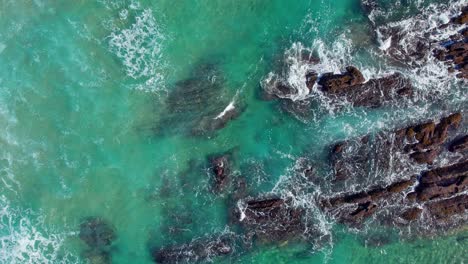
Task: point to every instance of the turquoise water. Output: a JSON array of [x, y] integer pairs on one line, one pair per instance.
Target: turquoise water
[[87, 130]]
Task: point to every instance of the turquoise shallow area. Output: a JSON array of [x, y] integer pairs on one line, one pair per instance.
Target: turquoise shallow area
[[83, 88]]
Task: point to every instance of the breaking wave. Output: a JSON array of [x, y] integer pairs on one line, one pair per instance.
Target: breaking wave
[[25, 239]]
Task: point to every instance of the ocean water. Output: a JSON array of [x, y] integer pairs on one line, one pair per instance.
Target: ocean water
[[95, 121]]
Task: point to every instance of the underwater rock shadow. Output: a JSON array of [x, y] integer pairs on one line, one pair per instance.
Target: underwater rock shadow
[[200, 104]]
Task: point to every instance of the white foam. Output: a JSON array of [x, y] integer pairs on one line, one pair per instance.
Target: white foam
[[2, 47], [139, 48], [24, 240], [228, 108]]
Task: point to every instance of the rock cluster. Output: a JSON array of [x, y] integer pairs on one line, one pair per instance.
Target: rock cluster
[[355, 207], [350, 87], [439, 192], [455, 49], [420, 144]]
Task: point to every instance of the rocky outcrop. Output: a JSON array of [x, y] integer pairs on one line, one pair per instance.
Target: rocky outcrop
[[454, 51], [195, 252], [441, 182], [438, 191], [270, 219], [354, 208], [459, 144], [375, 92], [334, 83], [420, 144], [443, 210], [99, 236]]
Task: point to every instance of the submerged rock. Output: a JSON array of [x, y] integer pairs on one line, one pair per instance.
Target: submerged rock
[[200, 250], [200, 104], [99, 236]]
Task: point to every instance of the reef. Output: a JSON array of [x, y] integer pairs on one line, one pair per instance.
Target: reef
[[199, 250], [270, 219], [349, 86], [454, 51], [98, 235], [416, 144], [200, 104]]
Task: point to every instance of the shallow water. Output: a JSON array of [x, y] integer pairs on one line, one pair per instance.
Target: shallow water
[[87, 128]]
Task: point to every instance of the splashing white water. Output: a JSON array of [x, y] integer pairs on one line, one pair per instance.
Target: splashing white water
[[24, 239], [139, 47]]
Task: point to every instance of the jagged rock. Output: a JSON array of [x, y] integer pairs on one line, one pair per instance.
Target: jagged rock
[[311, 79], [441, 182], [373, 93], [459, 144], [271, 219], [195, 252], [455, 49], [422, 143], [355, 207], [334, 83], [445, 209]]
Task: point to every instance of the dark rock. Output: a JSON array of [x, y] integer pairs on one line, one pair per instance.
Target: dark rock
[[358, 158], [220, 167], [377, 91], [333, 83], [445, 209], [195, 252], [311, 79], [271, 219], [425, 157], [459, 144], [411, 214], [442, 182], [355, 207]]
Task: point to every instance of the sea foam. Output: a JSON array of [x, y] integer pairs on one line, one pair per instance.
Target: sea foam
[[139, 48], [24, 238]]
